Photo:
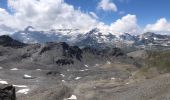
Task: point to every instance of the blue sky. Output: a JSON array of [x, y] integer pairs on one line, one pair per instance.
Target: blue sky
[[3, 4], [147, 11], [114, 15]]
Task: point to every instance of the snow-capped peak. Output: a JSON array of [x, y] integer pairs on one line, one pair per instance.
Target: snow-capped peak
[[94, 37], [29, 28]]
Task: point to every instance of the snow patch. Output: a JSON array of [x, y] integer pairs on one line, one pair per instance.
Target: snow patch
[[82, 70], [3, 82], [96, 65], [62, 75], [27, 76], [86, 65], [1, 67], [113, 78], [63, 81], [14, 69], [127, 83], [108, 62], [20, 86], [77, 78], [23, 91], [155, 38], [38, 69], [72, 97]]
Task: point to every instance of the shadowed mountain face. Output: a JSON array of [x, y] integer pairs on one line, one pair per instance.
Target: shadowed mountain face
[[53, 54], [9, 42]]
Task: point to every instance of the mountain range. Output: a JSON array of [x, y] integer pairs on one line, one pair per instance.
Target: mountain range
[[93, 38]]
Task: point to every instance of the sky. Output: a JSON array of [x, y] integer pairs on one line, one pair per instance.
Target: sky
[[115, 16], [148, 11]]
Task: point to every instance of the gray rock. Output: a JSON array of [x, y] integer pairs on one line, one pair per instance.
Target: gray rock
[[7, 92]]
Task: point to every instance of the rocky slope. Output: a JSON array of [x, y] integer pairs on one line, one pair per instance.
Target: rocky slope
[[33, 68], [58, 71], [54, 54]]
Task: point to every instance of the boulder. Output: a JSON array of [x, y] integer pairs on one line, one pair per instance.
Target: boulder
[[7, 92]]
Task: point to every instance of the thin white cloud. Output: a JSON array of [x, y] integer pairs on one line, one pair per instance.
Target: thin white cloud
[[121, 12], [107, 5], [94, 15], [161, 26]]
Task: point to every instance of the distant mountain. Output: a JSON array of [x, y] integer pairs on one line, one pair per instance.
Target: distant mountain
[[150, 35], [128, 37], [30, 35], [94, 38], [152, 39]]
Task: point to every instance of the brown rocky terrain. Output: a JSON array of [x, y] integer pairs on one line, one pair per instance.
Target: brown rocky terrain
[[58, 71]]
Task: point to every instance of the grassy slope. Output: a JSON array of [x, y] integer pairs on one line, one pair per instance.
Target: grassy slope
[[156, 63]]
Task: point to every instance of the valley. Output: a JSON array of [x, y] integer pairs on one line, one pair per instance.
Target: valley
[[58, 71], [84, 50]]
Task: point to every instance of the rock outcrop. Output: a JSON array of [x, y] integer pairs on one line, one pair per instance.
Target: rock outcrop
[[7, 92]]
